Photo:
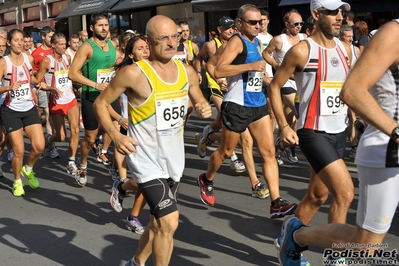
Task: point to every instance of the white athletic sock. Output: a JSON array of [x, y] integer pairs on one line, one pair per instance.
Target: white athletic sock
[[233, 158]]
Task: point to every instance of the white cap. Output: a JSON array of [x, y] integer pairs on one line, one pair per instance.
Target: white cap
[[130, 31], [329, 4]]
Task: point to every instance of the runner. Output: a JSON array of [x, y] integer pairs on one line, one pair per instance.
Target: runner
[[158, 100], [54, 68], [18, 111]]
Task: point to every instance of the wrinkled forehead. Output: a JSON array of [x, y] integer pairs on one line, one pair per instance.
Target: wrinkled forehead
[[165, 29]]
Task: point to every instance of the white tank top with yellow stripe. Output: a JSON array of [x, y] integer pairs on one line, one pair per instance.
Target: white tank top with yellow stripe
[[157, 125]]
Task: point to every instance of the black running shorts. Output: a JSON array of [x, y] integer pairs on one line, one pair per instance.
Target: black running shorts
[[161, 196], [237, 117], [321, 148], [14, 120]]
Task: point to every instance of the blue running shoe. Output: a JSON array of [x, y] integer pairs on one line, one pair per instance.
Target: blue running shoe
[[290, 252], [277, 244]]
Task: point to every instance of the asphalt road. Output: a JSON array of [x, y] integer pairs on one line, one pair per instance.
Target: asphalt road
[[62, 223]]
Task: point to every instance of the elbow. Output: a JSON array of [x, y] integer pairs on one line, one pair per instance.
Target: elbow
[[71, 75], [345, 96]]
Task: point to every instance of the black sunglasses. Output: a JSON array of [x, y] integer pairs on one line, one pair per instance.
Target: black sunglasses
[[179, 32], [252, 22], [330, 12], [296, 24]]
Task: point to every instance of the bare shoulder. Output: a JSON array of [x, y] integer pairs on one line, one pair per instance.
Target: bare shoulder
[[298, 54], [129, 72], [301, 49], [85, 48]]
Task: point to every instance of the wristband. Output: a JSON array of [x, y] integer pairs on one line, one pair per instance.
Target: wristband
[[120, 120], [281, 129]]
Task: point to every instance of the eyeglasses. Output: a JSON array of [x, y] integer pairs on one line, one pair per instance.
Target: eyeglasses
[[252, 22], [296, 24], [329, 12], [165, 39]]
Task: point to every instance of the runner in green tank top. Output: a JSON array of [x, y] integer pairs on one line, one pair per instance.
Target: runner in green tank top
[[99, 68], [93, 68]]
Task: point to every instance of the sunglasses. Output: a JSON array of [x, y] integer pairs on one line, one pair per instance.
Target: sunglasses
[[179, 32], [296, 24], [330, 12], [252, 22]]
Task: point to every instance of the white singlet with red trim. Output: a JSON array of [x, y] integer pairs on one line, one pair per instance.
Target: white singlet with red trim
[[57, 77], [319, 85], [19, 100]]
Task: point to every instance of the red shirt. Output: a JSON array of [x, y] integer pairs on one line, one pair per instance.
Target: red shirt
[[38, 54]]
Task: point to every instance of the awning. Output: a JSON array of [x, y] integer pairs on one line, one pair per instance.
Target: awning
[[135, 4], [293, 2], [220, 5], [80, 8]]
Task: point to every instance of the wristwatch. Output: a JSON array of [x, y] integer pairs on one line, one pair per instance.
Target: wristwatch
[[395, 133]]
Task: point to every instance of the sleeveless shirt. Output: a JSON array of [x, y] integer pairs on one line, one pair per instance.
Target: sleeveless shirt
[[279, 56], [157, 125], [245, 89], [19, 100], [99, 68], [57, 77], [376, 149], [319, 84]]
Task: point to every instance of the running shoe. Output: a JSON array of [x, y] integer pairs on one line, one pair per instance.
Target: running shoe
[[54, 153], [277, 242], [116, 197], [10, 155], [280, 208], [237, 166], [290, 154], [260, 191], [18, 188], [278, 158], [33, 182], [290, 252], [103, 158], [206, 191], [71, 168], [134, 225], [132, 263], [81, 175], [113, 171], [202, 141]]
